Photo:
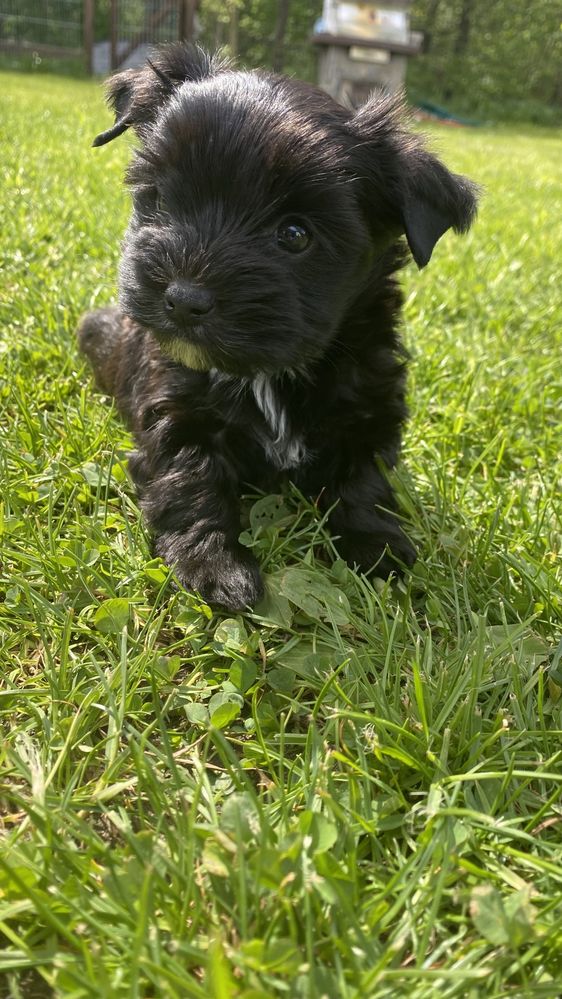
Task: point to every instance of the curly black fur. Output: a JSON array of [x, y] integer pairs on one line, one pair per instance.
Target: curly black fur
[[235, 360]]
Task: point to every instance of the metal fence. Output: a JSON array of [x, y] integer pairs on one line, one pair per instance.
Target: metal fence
[[136, 25], [54, 27], [112, 34], [124, 29]]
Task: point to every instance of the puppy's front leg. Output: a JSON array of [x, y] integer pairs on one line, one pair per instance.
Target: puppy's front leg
[[369, 534], [191, 504]]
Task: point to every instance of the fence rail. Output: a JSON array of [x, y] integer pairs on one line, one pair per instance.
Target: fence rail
[[66, 28], [60, 28]]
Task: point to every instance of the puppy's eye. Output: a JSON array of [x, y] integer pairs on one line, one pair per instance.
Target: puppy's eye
[[293, 237]]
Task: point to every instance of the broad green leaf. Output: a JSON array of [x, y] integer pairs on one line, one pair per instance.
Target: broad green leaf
[[219, 983], [12, 887], [156, 571], [94, 474], [239, 816], [307, 658], [225, 714], [230, 636], [13, 597], [168, 666], [225, 697], [267, 714], [521, 916], [279, 956], [274, 609], [488, 915], [282, 679], [113, 615], [243, 673], [269, 511], [315, 595], [326, 890], [224, 707], [213, 862], [507, 921], [197, 714], [322, 832]]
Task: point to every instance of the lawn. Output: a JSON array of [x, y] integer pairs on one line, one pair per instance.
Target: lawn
[[357, 791]]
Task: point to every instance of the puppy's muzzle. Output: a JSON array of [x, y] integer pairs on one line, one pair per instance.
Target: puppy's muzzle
[[187, 303]]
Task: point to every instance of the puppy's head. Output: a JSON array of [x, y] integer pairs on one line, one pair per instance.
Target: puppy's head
[[262, 209]]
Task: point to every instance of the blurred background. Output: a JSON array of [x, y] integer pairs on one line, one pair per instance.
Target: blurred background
[[460, 60]]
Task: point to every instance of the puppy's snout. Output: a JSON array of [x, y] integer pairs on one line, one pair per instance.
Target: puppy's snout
[[187, 302]]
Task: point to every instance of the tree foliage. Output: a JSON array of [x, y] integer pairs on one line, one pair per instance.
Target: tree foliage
[[499, 58], [273, 33], [502, 57]]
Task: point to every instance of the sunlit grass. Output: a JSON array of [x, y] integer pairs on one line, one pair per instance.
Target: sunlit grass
[[356, 791]]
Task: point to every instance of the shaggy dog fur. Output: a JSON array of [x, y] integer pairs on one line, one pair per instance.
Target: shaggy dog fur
[[257, 333]]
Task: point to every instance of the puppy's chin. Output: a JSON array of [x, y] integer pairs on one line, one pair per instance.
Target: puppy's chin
[[189, 354], [197, 358]]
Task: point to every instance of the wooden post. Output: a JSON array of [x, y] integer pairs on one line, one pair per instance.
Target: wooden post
[[89, 36], [233, 31], [114, 20], [463, 28], [279, 36], [186, 19]]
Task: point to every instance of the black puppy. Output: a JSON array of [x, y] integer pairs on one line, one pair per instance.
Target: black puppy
[[258, 324]]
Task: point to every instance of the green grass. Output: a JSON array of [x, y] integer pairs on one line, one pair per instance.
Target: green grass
[[357, 792]]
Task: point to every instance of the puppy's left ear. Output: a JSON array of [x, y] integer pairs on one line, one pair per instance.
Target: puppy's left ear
[[137, 95], [433, 200], [409, 186]]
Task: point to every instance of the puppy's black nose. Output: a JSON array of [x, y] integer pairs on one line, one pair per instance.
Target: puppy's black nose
[[187, 302]]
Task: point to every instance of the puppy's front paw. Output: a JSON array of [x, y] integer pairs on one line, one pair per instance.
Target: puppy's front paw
[[229, 577], [230, 580], [378, 552]]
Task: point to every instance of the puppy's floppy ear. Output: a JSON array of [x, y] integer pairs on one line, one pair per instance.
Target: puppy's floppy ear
[[433, 200], [412, 186], [136, 95]]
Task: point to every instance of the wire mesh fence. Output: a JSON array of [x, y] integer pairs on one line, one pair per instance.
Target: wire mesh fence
[[112, 34], [57, 24], [147, 21], [137, 25]]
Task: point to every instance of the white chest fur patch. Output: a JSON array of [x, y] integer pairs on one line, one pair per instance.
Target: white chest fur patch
[[285, 449]]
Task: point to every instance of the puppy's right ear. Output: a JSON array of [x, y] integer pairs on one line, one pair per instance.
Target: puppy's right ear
[[137, 95], [407, 184]]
